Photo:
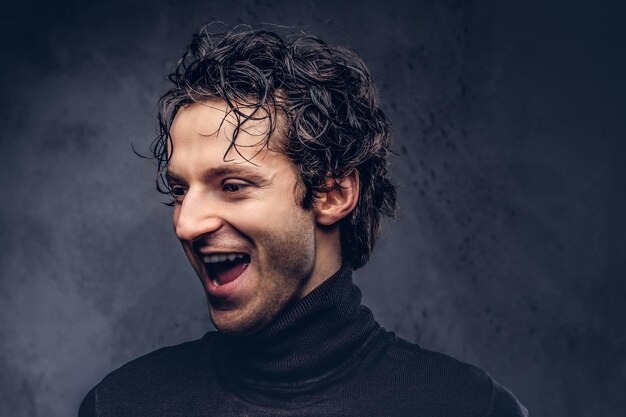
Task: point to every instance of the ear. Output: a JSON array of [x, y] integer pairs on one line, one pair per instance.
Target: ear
[[337, 203]]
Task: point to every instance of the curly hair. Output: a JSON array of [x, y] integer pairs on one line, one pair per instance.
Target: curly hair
[[332, 125]]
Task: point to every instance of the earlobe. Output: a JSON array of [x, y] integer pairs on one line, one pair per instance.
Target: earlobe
[[337, 203]]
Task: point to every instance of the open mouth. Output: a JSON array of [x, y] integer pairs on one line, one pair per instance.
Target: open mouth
[[223, 268]]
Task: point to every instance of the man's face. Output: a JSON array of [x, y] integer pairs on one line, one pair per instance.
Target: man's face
[[251, 244]]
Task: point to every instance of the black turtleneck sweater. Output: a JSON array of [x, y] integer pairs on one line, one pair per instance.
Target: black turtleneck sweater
[[323, 356]]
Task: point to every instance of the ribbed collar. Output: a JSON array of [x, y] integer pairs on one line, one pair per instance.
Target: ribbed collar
[[317, 338]]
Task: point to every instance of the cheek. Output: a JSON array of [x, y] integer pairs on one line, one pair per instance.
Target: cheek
[[175, 214], [279, 226], [297, 236]]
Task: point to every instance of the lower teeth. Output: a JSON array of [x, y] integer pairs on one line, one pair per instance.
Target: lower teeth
[[217, 284]]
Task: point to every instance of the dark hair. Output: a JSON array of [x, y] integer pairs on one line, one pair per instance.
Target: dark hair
[[321, 97]]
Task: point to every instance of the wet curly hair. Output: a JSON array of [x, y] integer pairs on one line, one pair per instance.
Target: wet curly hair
[[330, 121]]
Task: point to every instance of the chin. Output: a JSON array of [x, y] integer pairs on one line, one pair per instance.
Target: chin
[[236, 322]]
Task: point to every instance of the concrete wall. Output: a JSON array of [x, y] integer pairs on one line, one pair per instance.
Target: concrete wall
[[509, 120]]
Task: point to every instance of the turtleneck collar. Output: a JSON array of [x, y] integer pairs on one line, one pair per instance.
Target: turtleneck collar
[[321, 336]]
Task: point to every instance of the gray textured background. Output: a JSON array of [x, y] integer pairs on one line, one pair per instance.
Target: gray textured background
[[509, 253]]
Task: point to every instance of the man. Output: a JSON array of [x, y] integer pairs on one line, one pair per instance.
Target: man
[[274, 152]]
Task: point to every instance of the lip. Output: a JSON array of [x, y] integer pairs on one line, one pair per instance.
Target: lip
[[205, 252], [227, 290]]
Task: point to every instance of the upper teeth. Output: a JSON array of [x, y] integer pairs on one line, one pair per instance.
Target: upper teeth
[[222, 257]]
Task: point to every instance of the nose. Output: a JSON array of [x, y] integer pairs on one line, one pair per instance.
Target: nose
[[196, 216]]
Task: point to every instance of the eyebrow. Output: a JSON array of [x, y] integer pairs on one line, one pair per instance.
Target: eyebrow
[[221, 171], [172, 176]]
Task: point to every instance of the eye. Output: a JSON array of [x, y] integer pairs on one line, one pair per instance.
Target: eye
[[232, 186], [177, 192]]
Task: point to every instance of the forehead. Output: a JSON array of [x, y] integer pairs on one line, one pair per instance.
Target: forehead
[[214, 118], [211, 133]]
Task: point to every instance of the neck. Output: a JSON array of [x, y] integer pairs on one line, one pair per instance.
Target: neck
[[327, 257], [311, 340]]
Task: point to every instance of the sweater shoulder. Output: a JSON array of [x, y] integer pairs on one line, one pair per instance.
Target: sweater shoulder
[[443, 370], [169, 372], [163, 361], [448, 383]]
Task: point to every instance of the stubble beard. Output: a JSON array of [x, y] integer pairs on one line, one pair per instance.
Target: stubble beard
[[287, 266]]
